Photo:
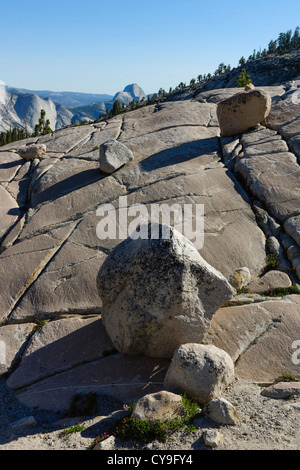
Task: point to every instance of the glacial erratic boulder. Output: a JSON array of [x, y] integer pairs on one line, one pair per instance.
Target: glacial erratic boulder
[[114, 155], [243, 111], [201, 371], [158, 294], [33, 151]]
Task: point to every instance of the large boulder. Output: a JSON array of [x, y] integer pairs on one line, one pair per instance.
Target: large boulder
[[243, 111], [201, 371], [158, 294]]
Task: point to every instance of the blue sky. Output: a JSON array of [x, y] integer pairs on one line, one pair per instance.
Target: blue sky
[[98, 46]]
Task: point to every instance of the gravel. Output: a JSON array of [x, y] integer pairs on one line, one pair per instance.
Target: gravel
[[267, 424]]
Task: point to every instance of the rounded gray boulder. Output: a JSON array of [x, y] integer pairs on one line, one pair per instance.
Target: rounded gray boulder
[[158, 294], [113, 155], [201, 371]]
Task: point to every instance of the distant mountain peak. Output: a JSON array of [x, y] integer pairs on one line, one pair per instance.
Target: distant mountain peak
[[62, 108], [130, 92], [134, 89]]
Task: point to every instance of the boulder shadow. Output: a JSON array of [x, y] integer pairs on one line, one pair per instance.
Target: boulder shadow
[[98, 384], [66, 186], [11, 164], [180, 154]]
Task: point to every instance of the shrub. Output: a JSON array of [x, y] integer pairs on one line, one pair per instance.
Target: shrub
[[98, 439], [73, 429], [39, 324], [272, 261], [286, 377], [243, 290], [281, 291]]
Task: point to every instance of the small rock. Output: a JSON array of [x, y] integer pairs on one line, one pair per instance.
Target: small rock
[[282, 390], [212, 437], [240, 300], [249, 87], [158, 406], [223, 412], [201, 371], [107, 444], [113, 155], [240, 278], [33, 151], [270, 280]]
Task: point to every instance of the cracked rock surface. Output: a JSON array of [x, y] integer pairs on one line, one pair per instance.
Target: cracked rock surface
[[249, 186]]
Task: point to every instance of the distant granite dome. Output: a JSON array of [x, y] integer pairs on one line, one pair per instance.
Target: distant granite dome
[[135, 91], [130, 92], [20, 107]]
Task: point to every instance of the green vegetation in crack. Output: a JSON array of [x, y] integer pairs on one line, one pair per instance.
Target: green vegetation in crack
[[134, 429], [281, 291], [286, 377], [272, 262], [73, 429]]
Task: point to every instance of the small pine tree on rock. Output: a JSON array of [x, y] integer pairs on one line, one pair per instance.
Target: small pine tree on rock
[[243, 79], [42, 127]]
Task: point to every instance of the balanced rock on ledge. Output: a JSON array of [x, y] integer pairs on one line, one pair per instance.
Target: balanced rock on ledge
[[243, 111], [33, 151], [158, 294], [114, 155]]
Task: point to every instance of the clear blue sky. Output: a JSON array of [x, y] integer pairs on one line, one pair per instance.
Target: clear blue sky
[[100, 46]]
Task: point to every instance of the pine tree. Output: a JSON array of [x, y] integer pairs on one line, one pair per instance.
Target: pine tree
[[243, 79], [295, 41], [47, 128], [14, 134], [264, 53], [42, 127], [272, 47], [116, 109], [132, 105]]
